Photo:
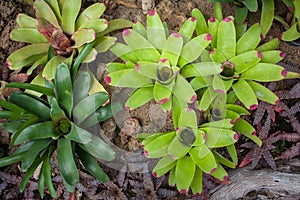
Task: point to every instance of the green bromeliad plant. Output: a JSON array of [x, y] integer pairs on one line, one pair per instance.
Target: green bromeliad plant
[[61, 34], [57, 125]]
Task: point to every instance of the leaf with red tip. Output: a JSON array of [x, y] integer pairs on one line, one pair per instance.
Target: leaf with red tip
[[265, 72], [226, 42], [172, 179], [237, 109], [221, 86], [249, 40], [217, 56], [27, 35], [244, 61], [273, 56], [167, 104], [162, 93], [263, 93], [172, 48], [98, 25], [270, 45], [159, 146], [140, 97], [203, 158], [164, 165], [82, 37], [201, 27], [216, 137], [104, 43], [213, 26], [148, 69], [220, 173], [187, 29], [232, 115], [189, 54], [129, 78], [196, 184], [184, 174], [188, 118], [149, 137], [245, 93], [246, 129], [221, 159], [155, 30], [207, 99], [201, 82], [182, 86]]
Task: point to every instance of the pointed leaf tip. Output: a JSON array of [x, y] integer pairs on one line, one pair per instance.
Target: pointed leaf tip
[[176, 35], [136, 66], [154, 174], [259, 55], [282, 54], [163, 60], [151, 12], [108, 80], [194, 98], [253, 133], [126, 32], [226, 179], [212, 19], [226, 19], [212, 51], [127, 108], [163, 101], [236, 136], [219, 91], [213, 170], [183, 191], [146, 154], [253, 107], [193, 19], [208, 37], [284, 73]]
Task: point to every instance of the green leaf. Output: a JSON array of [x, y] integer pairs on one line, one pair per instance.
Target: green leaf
[[201, 69], [124, 52], [114, 25], [27, 55], [94, 11], [201, 27], [220, 173], [25, 21], [244, 61], [91, 165], [177, 149], [33, 87], [140, 97], [102, 114], [63, 88], [97, 25], [226, 43], [155, 30], [139, 27], [203, 158], [246, 129], [28, 35], [182, 86], [265, 72], [187, 29], [88, 105], [35, 150], [162, 93], [10, 106], [213, 27], [158, 146], [252, 5], [188, 118], [263, 93], [143, 49], [81, 86], [99, 149], [79, 135], [196, 184], [41, 186], [273, 56], [184, 173], [236, 108], [148, 69], [249, 40], [216, 137], [128, 78], [70, 10], [172, 180], [172, 48], [46, 170], [207, 99], [11, 159], [51, 66], [30, 104], [267, 15], [55, 8], [66, 163], [221, 86], [44, 11], [245, 94], [83, 36], [200, 82], [270, 45], [189, 54], [163, 166], [240, 14], [222, 124], [37, 131], [104, 44]]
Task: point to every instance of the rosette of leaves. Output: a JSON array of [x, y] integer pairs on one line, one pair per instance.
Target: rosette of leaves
[[41, 127], [60, 33], [292, 22], [154, 59], [190, 151], [244, 64]]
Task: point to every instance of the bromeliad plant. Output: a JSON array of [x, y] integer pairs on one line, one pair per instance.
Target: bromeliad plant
[[292, 22], [154, 60], [56, 126], [191, 151], [64, 34], [244, 64]]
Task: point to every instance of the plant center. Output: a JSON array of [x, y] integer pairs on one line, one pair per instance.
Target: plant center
[[165, 74], [63, 126], [187, 136]]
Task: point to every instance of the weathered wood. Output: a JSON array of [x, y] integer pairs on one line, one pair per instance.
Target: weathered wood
[[285, 185]]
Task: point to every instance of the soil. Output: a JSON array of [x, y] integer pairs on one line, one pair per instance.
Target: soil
[[126, 182]]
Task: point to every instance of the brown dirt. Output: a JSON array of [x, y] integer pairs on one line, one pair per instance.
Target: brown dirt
[[145, 118]]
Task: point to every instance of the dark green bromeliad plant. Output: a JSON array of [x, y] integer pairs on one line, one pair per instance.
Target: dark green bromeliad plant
[[57, 125], [187, 74]]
